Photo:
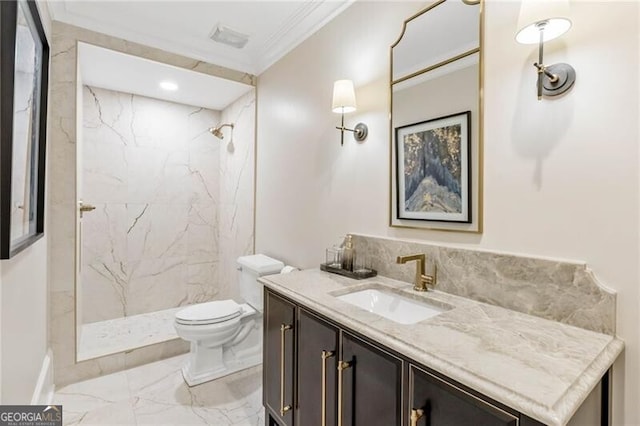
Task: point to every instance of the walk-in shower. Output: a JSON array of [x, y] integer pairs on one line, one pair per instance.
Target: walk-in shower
[[165, 229]]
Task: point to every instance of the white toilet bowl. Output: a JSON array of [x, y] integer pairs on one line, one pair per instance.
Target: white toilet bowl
[[226, 336]]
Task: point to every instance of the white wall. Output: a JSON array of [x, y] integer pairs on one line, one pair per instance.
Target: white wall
[[560, 176], [310, 190], [24, 322], [23, 310], [1, 325]]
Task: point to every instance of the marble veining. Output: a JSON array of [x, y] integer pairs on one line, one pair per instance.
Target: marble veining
[[156, 394], [147, 167], [542, 368], [123, 334], [237, 171], [133, 143], [559, 291]]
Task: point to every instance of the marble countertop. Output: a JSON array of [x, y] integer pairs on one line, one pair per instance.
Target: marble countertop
[[542, 368]]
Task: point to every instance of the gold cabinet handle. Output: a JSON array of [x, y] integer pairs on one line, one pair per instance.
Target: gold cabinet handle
[[325, 355], [416, 415], [283, 408], [342, 365]]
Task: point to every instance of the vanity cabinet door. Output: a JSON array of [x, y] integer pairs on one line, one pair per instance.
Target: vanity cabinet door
[[278, 359], [371, 385], [317, 373], [443, 404]]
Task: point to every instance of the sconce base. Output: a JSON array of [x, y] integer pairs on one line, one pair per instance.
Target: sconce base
[[566, 76], [360, 132]]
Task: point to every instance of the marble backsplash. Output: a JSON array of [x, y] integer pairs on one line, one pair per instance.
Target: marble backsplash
[[556, 290]]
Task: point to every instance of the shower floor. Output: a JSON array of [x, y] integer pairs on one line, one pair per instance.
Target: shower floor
[[123, 334]]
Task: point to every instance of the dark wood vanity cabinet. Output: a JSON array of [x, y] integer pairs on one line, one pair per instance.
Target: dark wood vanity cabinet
[[318, 344], [333, 373], [437, 402], [279, 360], [371, 384], [337, 374], [317, 372]]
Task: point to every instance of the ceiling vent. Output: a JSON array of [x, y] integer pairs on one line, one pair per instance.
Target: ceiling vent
[[229, 37]]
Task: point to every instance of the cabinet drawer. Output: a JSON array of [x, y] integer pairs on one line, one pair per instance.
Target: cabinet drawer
[[444, 404]]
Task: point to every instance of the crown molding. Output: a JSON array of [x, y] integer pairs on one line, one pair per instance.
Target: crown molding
[[289, 32]]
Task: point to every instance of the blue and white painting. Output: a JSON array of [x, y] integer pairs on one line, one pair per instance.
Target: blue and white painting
[[433, 169]]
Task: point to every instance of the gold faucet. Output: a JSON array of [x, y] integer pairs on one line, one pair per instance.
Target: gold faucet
[[422, 280]]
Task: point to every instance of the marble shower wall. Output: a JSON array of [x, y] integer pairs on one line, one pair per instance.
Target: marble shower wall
[[62, 198], [237, 175], [150, 167], [560, 291]]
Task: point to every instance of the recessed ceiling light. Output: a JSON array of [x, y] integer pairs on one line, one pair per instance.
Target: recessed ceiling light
[[169, 85]]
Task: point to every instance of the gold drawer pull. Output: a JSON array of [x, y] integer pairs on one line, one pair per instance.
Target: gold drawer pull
[[283, 408], [342, 365], [325, 355], [416, 415]]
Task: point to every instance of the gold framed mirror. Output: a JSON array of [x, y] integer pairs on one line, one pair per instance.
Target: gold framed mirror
[[436, 119]]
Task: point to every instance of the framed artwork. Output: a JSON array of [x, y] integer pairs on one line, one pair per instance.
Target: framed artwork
[[433, 170], [24, 69]]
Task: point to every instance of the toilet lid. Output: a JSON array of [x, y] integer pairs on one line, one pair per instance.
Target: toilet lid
[[209, 313]]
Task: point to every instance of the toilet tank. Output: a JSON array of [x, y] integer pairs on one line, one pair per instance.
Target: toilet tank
[[251, 268]]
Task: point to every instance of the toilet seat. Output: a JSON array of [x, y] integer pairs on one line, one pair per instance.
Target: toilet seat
[[209, 313]]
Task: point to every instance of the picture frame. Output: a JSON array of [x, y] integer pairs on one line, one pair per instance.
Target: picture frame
[[433, 169], [24, 78]]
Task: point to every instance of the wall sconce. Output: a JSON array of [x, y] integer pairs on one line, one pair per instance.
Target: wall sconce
[[541, 21], [344, 100]]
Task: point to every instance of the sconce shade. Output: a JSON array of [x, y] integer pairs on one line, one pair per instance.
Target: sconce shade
[[344, 97], [552, 14]]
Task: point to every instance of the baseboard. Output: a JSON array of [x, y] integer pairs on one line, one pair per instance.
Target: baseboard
[[43, 392]]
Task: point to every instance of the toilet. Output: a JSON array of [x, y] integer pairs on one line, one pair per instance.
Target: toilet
[[226, 336]]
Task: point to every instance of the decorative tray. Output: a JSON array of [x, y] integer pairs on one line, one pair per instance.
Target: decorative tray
[[360, 274]]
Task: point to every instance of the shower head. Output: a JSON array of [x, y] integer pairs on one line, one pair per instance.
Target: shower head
[[217, 131]]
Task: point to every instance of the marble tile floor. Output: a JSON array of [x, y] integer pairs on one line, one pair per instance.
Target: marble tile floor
[[122, 334], [156, 394]]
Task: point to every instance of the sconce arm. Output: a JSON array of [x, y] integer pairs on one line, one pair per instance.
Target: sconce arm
[[345, 129], [553, 79], [360, 132], [542, 69]]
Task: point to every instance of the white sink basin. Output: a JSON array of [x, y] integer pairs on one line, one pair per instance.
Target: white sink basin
[[392, 306]]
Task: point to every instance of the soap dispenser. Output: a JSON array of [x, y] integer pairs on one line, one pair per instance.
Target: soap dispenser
[[348, 254]]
